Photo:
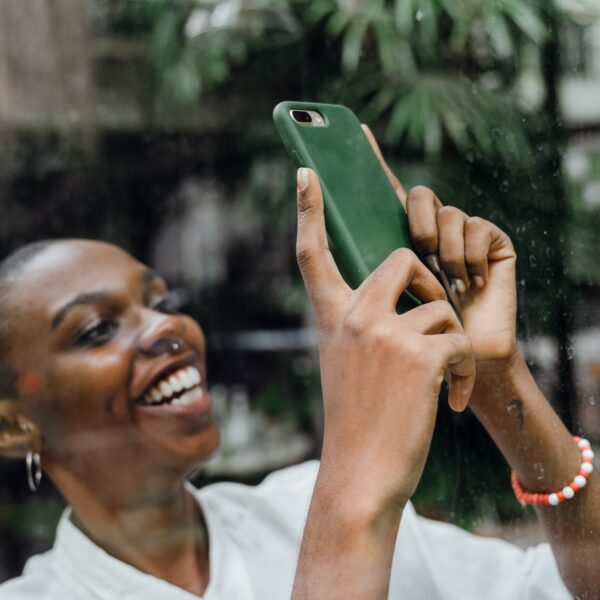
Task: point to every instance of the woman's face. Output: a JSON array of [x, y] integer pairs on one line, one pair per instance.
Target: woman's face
[[93, 338]]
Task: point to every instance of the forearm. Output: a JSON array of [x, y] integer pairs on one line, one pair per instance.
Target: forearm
[[347, 548], [540, 449]]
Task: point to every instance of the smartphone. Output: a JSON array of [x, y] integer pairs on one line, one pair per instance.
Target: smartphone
[[364, 218]]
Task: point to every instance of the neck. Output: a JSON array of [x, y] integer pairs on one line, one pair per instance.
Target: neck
[[162, 533]]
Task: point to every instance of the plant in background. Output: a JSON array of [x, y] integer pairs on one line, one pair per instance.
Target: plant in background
[[431, 72], [437, 71], [193, 46], [458, 89]]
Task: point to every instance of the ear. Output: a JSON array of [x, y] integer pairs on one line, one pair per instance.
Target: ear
[[18, 435]]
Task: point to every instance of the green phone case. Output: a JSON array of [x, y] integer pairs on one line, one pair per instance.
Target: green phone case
[[364, 218]]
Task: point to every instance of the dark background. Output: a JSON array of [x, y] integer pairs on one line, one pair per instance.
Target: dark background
[[148, 123]]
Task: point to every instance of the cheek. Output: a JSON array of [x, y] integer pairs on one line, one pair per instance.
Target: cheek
[[194, 333], [89, 390]]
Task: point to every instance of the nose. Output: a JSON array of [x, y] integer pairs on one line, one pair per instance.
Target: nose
[[162, 334]]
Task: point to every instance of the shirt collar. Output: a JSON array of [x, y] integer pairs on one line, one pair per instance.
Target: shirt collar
[[82, 565]]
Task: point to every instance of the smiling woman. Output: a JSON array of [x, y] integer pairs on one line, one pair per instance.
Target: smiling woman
[[110, 385]]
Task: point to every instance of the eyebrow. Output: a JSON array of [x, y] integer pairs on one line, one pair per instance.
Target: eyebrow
[[148, 276], [86, 298]]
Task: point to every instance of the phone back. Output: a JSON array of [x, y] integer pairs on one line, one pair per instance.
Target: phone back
[[364, 218]]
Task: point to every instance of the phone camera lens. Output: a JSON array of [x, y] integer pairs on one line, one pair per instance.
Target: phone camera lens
[[302, 116]]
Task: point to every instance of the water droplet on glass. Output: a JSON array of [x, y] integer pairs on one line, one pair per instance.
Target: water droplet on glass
[[539, 471], [592, 400], [419, 15], [570, 352], [532, 260]]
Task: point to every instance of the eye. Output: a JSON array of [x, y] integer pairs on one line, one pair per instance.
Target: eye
[[97, 333], [169, 304]]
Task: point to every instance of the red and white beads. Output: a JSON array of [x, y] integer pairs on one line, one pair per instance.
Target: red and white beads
[[554, 499]]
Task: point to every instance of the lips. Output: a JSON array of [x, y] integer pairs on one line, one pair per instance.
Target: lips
[[179, 386]]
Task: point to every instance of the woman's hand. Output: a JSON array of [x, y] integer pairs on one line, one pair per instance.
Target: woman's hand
[[478, 259], [381, 372]]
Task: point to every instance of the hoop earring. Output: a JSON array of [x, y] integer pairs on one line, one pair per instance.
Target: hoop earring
[[34, 470]]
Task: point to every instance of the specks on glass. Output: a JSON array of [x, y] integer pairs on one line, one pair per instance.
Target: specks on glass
[[419, 15], [532, 261], [570, 350], [592, 400], [538, 468], [302, 366]]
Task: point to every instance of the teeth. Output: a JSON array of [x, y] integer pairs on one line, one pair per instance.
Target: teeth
[[188, 397], [186, 378], [175, 383], [165, 389], [194, 374]]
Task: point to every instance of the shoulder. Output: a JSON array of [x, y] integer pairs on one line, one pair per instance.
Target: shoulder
[[441, 556], [298, 480], [282, 499], [36, 582]]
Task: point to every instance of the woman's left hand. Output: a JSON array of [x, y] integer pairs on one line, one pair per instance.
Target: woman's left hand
[[477, 257]]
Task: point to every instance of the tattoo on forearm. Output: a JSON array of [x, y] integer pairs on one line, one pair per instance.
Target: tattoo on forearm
[[515, 408]]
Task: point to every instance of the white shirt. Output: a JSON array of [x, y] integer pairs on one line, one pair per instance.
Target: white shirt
[[255, 535]]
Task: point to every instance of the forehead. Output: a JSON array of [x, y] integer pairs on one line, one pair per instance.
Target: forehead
[[67, 269]]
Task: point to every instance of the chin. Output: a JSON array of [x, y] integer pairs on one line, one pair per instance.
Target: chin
[[200, 449]]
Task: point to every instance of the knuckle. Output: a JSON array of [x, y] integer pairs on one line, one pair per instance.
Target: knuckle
[[439, 308], [355, 324], [420, 191], [474, 259], [476, 223], [306, 205], [449, 213], [402, 256], [305, 255], [452, 263], [381, 334], [425, 238]]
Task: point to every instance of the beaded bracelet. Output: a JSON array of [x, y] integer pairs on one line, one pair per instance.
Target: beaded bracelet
[[568, 491]]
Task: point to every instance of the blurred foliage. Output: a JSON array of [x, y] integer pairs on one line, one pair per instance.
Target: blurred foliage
[[439, 81], [433, 71]]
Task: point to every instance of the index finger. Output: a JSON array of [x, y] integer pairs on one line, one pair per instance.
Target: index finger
[[460, 362], [398, 188], [321, 276]]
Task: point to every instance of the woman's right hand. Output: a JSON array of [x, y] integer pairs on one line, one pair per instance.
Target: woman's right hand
[[381, 372]]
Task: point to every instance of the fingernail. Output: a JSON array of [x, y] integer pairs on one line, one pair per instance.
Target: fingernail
[[458, 286], [302, 179], [433, 262], [478, 281]]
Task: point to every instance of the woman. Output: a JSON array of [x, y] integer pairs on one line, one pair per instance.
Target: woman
[[108, 386]]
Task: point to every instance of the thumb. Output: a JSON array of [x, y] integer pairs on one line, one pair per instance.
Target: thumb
[[319, 271]]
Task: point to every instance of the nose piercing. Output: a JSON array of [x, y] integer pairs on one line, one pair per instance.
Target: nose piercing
[[164, 345]]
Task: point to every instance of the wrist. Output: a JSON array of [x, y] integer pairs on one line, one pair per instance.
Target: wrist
[[496, 378], [357, 503], [500, 367]]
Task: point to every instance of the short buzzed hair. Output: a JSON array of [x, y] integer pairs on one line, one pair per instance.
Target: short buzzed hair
[[10, 268]]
